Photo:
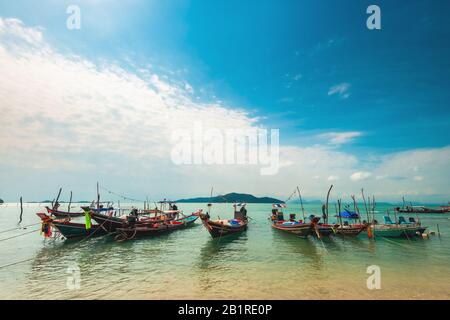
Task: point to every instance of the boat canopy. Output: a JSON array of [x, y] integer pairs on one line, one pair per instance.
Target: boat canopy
[[348, 214]]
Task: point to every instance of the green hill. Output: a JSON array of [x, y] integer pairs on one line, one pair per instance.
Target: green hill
[[231, 198]]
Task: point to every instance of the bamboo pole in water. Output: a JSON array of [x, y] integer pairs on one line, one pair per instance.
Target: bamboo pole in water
[[21, 210]]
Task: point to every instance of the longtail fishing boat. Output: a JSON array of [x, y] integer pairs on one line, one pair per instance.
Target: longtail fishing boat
[[397, 229], [223, 227], [130, 230], [325, 229], [110, 221], [344, 226], [68, 229], [420, 209], [300, 228]]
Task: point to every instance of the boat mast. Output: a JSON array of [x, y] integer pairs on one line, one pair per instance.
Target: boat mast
[[326, 205], [339, 212], [301, 203], [355, 206], [70, 202], [98, 197], [365, 205], [210, 204], [54, 205]]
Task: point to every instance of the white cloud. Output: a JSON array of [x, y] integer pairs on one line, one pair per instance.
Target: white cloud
[[340, 137], [360, 175], [340, 89], [68, 120], [418, 178]]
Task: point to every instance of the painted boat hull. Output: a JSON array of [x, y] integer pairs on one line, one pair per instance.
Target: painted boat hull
[[63, 214], [110, 224], [78, 230], [325, 230], [139, 231], [351, 230], [397, 231], [218, 230], [301, 230]]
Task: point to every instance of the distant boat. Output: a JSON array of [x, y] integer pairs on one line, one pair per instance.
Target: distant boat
[[422, 209], [223, 227]]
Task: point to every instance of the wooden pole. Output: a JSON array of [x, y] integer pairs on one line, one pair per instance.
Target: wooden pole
[[365, 205], [373, 208], [21, 210], [339, 213], [54, 206], [70, 202], [355, 206], [98, 197], [301, 203], [439, 232], [210, 199], [326, 206]]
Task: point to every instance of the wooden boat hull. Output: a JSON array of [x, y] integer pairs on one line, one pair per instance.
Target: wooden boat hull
[[217, 229], [397, 231], [424, 210], [325, 230], [110, 224], [138, 231], [63, 214], [351, 230], [301, 230], [77, 230]]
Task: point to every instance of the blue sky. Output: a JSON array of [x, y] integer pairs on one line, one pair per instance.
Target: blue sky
[[310, 68]]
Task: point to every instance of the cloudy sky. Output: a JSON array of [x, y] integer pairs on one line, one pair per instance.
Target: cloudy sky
[[355, 108]]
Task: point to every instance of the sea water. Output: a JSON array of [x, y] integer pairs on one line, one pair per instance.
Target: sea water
[[261, 263]]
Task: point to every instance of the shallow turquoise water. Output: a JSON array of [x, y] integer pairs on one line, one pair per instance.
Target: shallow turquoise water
[[260, 263]]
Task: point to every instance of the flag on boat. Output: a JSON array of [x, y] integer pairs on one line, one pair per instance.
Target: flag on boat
[[241, 204], [278, 205]]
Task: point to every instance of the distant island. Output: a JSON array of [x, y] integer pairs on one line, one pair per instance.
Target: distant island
[[1, 201], [230, 198]]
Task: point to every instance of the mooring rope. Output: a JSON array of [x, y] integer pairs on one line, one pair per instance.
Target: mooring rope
[[14, 263], [19, 235], [121, 195], [24, 227]]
